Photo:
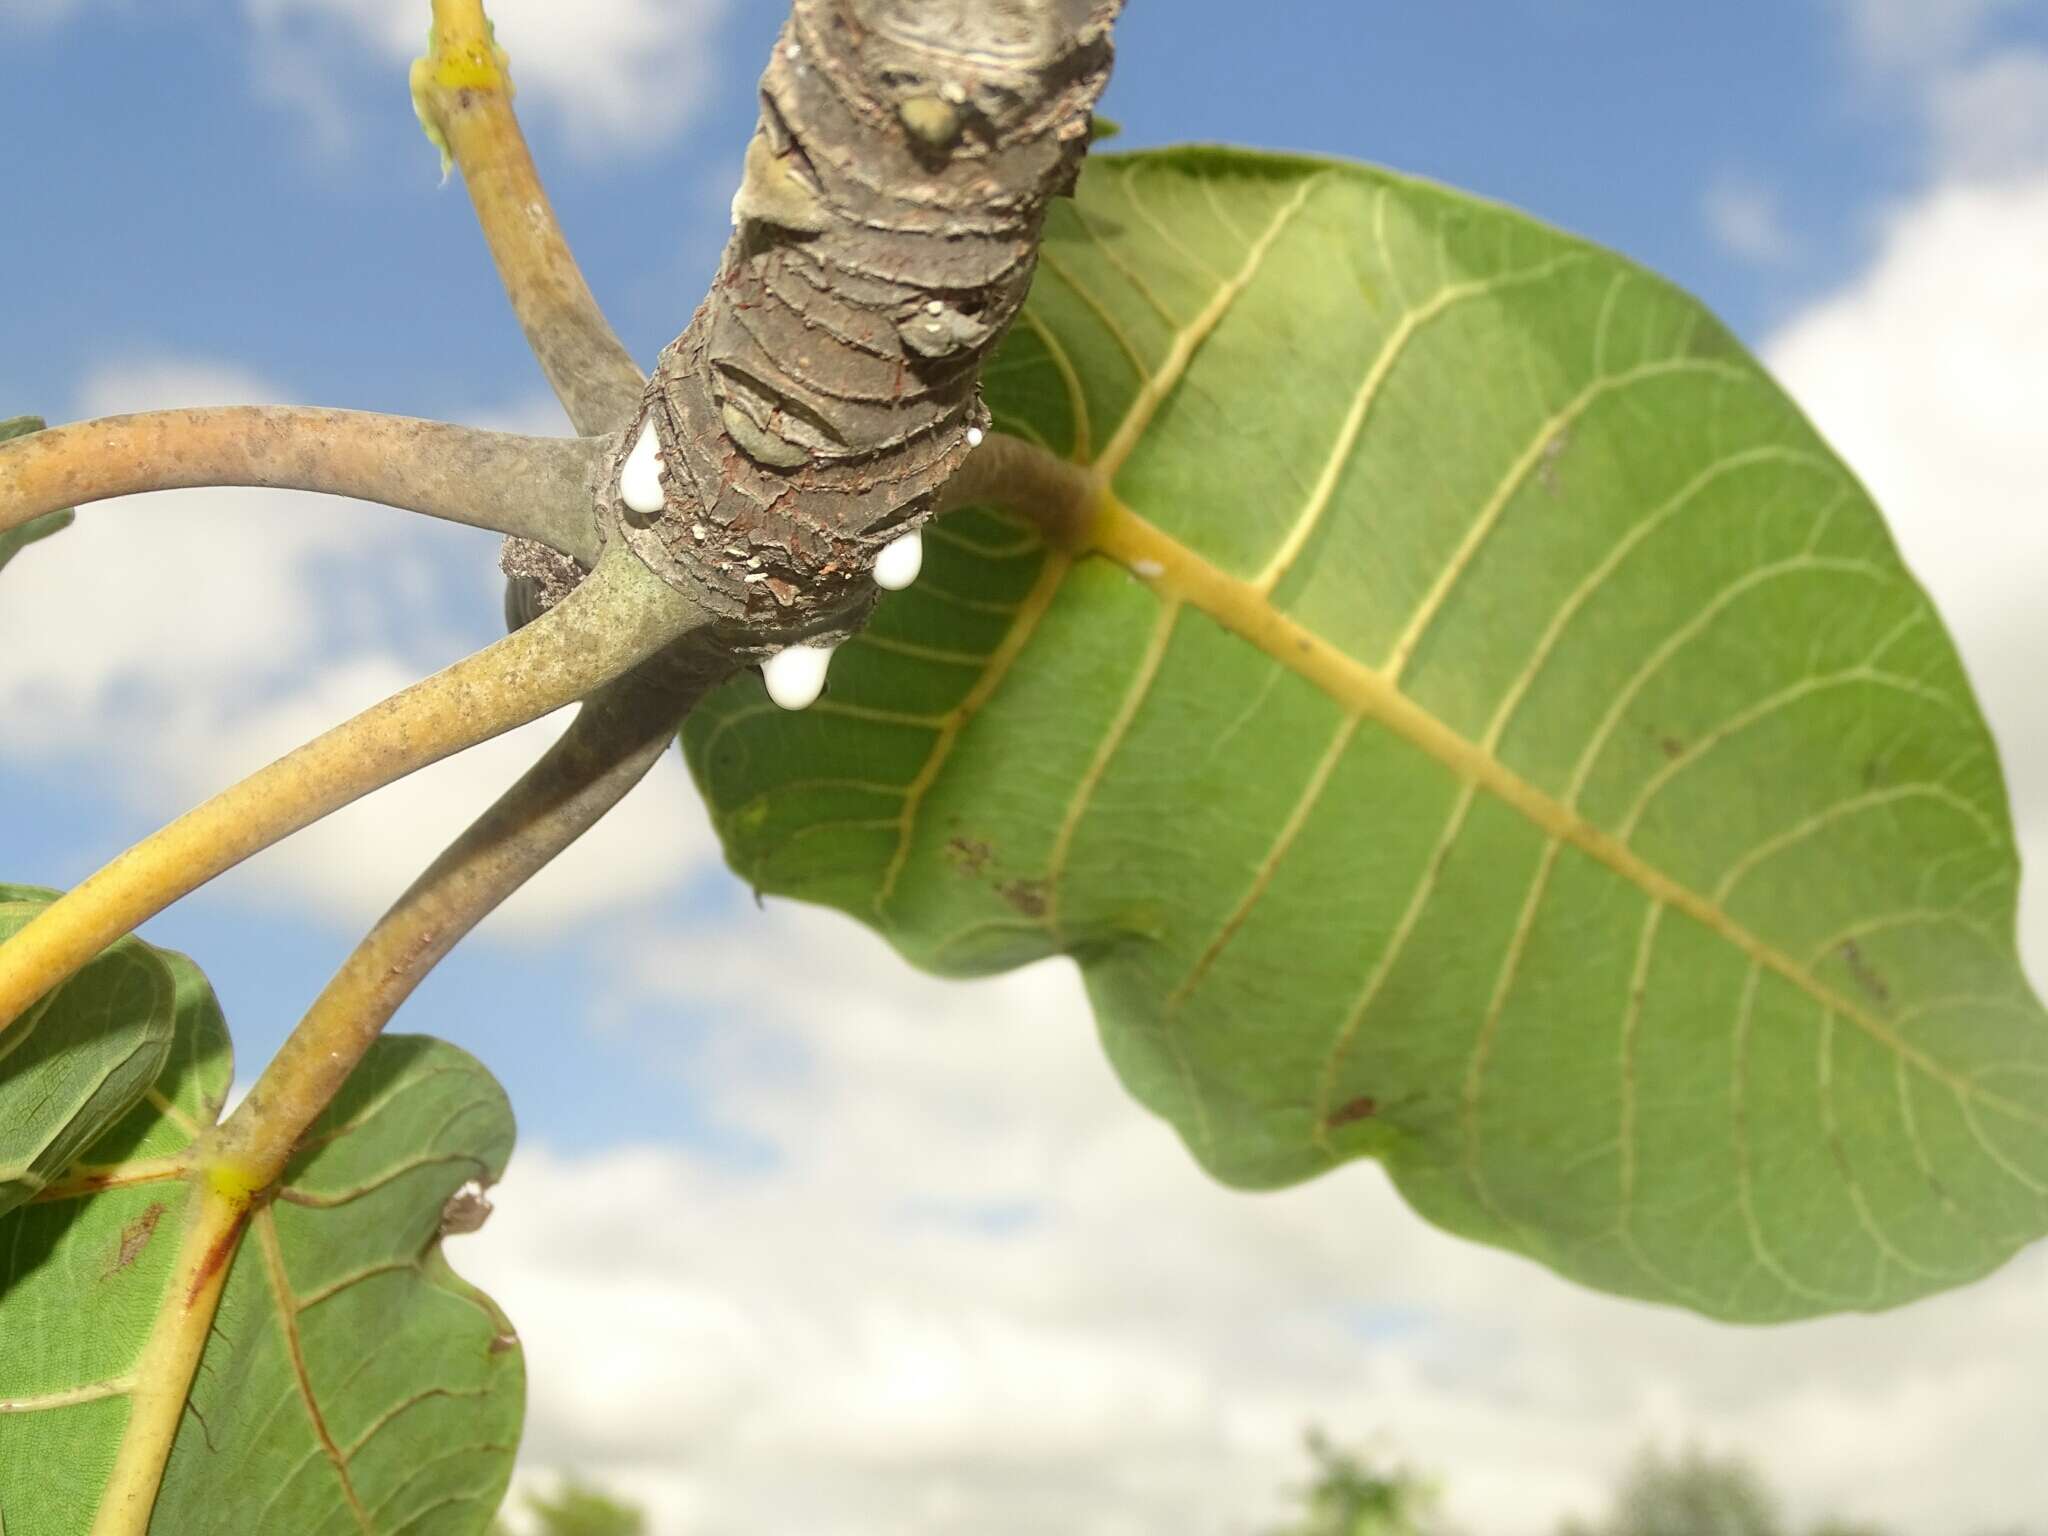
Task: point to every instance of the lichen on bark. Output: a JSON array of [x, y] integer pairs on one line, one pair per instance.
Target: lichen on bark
[[885, 237]]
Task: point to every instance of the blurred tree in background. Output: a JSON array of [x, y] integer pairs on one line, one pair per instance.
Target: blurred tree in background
[[1693, 1494], [579, 1510], [1352, 1497], [1361, 1493]]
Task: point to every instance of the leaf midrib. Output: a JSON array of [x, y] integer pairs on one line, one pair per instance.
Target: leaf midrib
[[1177, 574], [1184, 576]]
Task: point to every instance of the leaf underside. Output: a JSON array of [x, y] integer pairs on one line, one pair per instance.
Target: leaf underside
[[14, 540], [1506, 744], [82, 1058], [352, 1383]]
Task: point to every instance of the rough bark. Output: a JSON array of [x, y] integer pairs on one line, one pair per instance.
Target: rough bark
[[886, 234]]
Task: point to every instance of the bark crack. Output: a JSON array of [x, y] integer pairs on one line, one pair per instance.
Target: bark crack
[[886, 234]]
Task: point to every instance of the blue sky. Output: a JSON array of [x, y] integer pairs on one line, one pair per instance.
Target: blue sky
[[145, 143], [206, 219], [211, 201], [179, 205]]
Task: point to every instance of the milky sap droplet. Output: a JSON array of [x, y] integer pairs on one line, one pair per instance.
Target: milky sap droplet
[[897, 566], [975, 437], [640, 480], [796, 676]]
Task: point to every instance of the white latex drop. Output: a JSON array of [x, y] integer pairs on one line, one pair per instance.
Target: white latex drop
[[640, 480], [975, 437], [897, 566], [797, 676]]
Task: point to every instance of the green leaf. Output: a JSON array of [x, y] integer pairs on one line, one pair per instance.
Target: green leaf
[[14, 541], [360, 1381], [1487, 731], [351, 1381], [83, 1057]]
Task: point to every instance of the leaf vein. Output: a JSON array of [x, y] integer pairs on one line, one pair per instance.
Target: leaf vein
[[1417, 628], [1383, 966], [1029, 615], [1189, 341], [1352, 431], [1123, 535], [288, 1309], [1745, 1179], [1105, 752], [1269, 866], [1859, 1199]]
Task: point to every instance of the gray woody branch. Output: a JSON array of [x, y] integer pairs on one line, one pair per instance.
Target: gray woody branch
[[886, 234]]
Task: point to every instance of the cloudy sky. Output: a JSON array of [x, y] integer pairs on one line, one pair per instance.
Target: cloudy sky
[[825, 1247]]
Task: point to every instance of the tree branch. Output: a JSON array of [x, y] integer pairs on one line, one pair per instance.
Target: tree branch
[[619, 735], [616, 620], [889, 224], [462, 90], [533, 487]]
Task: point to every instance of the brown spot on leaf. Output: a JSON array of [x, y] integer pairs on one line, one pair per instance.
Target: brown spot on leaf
[[1866, 974], [134, 1238], [1358, 1109], [970, 854], [1030, 897], [1672, 748]]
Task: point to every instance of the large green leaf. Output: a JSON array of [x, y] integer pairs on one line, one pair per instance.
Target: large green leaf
[[351, 1382], [14, 540], [1486, 730], [84, 1056]]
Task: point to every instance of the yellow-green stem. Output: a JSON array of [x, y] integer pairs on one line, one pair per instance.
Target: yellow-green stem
[[617, 737], [533, 487], [463, 92], [616, 620]]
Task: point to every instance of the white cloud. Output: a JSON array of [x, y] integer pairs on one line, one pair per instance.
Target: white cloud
[[1929, 375], [1980, 97], [178, 642], [1744, 216], [1915, 35], [982, 1291], [617, 74], [1990, 119]]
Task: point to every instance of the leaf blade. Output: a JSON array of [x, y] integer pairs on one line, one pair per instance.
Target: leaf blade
[[340, 1307], [1570, 678], [82, 1059], [347, 1350]]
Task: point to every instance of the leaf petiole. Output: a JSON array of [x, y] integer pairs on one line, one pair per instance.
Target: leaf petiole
[[621, 616], [531, 487], [614, 741], [462, 91]]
